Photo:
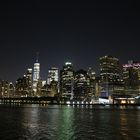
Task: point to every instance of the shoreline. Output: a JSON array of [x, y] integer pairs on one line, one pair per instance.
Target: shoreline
[[63, 104]]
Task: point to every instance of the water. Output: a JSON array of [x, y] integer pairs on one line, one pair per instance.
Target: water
[[33, 122]]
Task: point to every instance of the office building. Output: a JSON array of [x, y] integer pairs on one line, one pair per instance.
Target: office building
[[67, 80], [52, 75], [81, 85], [131, 76], [29, 78], [36, 75], [111, 75]]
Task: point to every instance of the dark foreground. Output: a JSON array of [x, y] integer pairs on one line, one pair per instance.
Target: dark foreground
[[34, 122]]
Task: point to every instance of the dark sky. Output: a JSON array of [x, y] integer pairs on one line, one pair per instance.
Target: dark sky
[[76, 32]]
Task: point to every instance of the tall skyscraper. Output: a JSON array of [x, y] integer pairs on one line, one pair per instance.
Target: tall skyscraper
[[67, 80], [111, 74], [53, 81], [81, 85], [92, 82], [36, 75], [28, 75], [131, 76]]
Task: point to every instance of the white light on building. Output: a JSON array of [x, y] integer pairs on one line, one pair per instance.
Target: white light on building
[[36, 75], [52, 75]]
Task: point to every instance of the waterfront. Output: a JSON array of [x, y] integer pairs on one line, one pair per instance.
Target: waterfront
[[35, 122]]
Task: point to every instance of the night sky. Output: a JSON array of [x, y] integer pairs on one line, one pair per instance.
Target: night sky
[[60, 32]]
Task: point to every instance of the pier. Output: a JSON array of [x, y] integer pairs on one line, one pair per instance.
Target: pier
[[30, 100]]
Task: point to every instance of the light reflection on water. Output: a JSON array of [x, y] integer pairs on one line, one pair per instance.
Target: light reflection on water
[[35, 122]]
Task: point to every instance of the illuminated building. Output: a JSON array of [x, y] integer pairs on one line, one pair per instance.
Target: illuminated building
[[52, 75], [111, 75], [43, 83], [81, 85], [24, 85], [11, 89], [39, 88], [20, 87], [52, 89], [91, 81], [131, 76], [67, 80], [29, 79], [36, 75], [4, 88], [91, 73], [53, 81]]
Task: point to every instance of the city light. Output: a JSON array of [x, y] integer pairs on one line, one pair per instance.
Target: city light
[[78, 87]]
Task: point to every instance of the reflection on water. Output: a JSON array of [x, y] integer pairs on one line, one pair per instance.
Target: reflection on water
[[34, 122], [65, 129], [123, 124]]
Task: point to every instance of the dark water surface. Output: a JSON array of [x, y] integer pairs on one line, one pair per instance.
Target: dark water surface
[[33, 122]]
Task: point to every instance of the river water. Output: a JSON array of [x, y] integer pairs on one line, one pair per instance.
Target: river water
[[34, 122]]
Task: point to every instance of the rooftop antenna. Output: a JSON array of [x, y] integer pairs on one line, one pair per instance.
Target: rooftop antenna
[[37, 57]]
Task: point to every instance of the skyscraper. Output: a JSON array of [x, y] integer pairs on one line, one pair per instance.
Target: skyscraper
[[92, 82], [67, 80], [52, 75], [36, 75], [110, 73], [29, 74], [131, 76], [81, 85], [53, 81]]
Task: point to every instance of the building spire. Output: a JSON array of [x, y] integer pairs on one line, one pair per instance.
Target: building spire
[[37, 57]]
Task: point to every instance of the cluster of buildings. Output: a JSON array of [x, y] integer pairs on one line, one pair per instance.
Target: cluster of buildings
[[114, 79]]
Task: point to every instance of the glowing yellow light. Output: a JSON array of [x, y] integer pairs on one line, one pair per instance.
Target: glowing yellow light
[[123, 102], [132, 102]]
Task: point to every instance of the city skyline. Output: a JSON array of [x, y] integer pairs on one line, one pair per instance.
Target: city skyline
[[68, 83], [75, 32], [69, 70], [129, 63]]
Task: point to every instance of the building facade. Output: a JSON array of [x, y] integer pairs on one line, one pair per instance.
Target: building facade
[[36, 76], [131, 76], [81, 85], [52, 75], [29, 79], [111, 75], [67, 80]]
